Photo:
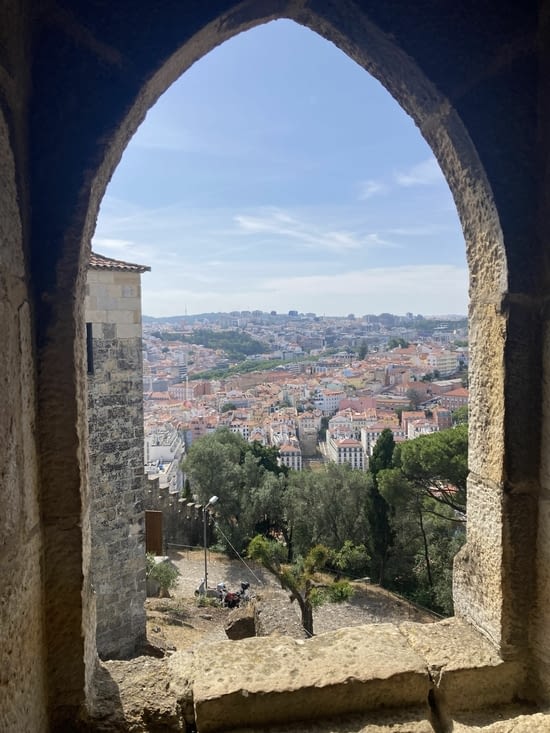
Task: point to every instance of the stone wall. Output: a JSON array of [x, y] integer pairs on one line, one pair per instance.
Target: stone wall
[[115, 410], [22, 670], [182, 522], [75, 84]]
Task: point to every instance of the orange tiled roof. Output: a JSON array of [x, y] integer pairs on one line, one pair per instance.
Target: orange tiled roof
[[348, 441], [100, 262], [459, 392]]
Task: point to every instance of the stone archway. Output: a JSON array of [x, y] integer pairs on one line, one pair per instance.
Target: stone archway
[[109, 69]]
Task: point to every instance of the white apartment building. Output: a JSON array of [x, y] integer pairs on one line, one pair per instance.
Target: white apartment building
[[281, 432], [240, 426], [309, 421], [371, 433], [445, 362], [349, 421], [328, 400], [164, 449], [345, 450], [290, 455], [416, 428]]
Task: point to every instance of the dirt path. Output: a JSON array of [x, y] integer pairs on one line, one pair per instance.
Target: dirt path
[[181, 623]]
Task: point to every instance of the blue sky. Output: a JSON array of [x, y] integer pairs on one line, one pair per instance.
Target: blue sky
[[277, 174]]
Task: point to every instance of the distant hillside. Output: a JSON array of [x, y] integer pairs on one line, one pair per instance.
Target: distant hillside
[[389, 319], [236, 344], [189, 319]]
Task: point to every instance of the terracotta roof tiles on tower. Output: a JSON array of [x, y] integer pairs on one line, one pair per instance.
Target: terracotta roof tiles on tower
[[100, 262]]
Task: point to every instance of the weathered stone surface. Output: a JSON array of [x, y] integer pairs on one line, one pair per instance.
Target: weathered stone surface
[[135, 695], [75, 84], [477, 584], [486, 413], [23, 675], [268, 680], [413, 721], [467, 666], [364, 679], [241, 623]]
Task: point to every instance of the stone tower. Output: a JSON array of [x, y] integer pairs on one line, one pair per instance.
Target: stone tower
[[117, 482]]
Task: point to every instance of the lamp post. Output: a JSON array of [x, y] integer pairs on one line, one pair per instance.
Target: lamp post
[[213, 500]]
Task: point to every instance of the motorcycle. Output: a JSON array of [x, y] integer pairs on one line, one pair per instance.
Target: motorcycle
[[227, 598], [233, 599]]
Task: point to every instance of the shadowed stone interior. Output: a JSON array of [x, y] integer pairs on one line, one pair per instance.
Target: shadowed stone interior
[[76, 79]]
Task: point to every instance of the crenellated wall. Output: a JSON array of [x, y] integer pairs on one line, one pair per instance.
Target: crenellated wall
[[182, 520]]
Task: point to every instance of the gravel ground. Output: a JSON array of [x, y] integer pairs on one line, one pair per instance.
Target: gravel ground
[[179, 622]]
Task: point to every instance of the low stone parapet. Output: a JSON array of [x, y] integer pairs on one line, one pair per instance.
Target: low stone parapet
[[265, 681], [276, 679]]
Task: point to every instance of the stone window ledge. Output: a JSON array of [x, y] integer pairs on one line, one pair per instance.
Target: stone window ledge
[[262, 681]]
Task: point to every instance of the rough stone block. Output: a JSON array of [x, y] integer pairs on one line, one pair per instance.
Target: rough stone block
[[467, 666], [270, 680], [123, 315], [241, 623], [477, 586], [486, 407], [128, 331]]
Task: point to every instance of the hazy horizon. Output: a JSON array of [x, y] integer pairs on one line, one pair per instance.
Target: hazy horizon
[[427, 316]]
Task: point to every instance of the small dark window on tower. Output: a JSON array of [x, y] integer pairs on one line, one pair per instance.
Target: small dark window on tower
[[89, 348]]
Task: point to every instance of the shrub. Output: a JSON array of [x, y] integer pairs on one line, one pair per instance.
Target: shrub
[[352, 559], [164, 573]]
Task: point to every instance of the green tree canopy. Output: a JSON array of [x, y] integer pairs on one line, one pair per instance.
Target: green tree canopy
[[382, 453], [460, 415], [381, 535], [420, 564], [247, 479], [227, 406], [398, 343], [363, 349], [328, 507], [438, 465], [426, 489]]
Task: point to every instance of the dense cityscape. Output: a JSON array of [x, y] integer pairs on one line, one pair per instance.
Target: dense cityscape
[[319, 389]]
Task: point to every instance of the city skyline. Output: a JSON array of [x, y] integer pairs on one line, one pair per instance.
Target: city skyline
[[294, 182], [288, 313]]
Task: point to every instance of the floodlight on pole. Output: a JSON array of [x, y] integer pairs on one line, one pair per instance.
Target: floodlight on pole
[[211, 502]]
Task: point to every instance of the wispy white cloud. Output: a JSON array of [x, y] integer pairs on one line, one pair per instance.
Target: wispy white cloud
[[280, 224], [368, 189], [427, 230], [426, 173], [342, 259]]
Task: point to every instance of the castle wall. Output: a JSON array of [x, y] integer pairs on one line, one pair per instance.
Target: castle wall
[[115, 413], [182, 520], [474, 78], [23, 693]]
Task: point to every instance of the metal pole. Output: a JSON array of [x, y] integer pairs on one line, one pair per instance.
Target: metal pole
[[205, 551], [213, 500]]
